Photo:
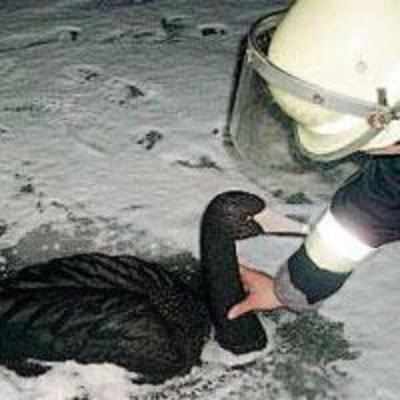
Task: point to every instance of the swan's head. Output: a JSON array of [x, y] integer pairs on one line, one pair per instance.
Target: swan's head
[[233, 211]]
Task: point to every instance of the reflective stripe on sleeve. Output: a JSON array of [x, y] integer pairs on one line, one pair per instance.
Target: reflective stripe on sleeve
[[333, 248]]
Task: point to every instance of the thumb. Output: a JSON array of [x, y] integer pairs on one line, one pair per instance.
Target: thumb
[[241, 308]]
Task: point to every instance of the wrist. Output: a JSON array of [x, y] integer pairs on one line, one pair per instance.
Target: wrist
[[277, 301], [289, 295]]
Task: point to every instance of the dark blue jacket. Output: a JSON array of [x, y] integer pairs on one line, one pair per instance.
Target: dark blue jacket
[[368, 206]]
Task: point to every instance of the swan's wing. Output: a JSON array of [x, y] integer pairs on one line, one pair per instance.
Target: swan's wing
[[88, 326], [95, 308], [95, 270]]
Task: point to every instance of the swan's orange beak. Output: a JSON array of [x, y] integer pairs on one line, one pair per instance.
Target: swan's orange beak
[[272, 222]]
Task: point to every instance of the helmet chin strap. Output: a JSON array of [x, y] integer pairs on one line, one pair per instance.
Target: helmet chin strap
[[378, 115], [392, 150]]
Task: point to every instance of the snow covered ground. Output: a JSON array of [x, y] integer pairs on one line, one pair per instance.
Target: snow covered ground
[[111, 139]]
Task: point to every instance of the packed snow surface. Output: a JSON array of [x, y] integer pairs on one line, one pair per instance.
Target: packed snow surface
[[112, 115]]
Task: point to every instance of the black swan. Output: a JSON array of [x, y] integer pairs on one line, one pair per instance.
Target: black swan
[[136, 314]]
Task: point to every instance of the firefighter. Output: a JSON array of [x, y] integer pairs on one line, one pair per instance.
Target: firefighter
[[324, 44]]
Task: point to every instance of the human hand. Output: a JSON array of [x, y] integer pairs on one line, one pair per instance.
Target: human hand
[[260, 292]]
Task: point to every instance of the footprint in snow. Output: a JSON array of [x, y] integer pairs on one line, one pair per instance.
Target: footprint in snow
[[69, 33], [82, 73], [4, 131], [149, 140], [122, 91], [3, 230], [119, 91], [213, 29], [204, 162], [174, 25]]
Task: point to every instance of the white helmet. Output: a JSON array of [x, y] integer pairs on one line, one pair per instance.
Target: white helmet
[[348, 47]]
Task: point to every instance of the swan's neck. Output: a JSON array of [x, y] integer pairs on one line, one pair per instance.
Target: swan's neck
[[224, 289], [220, 269]]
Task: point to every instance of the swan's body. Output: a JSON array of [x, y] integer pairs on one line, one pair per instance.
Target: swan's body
[[136, 314]]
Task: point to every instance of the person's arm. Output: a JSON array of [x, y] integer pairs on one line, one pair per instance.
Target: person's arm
[[364, 214]]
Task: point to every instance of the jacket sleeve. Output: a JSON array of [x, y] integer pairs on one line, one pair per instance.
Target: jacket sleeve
[[364, 214]]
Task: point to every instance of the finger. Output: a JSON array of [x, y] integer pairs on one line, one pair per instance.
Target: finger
[[239, 309]]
